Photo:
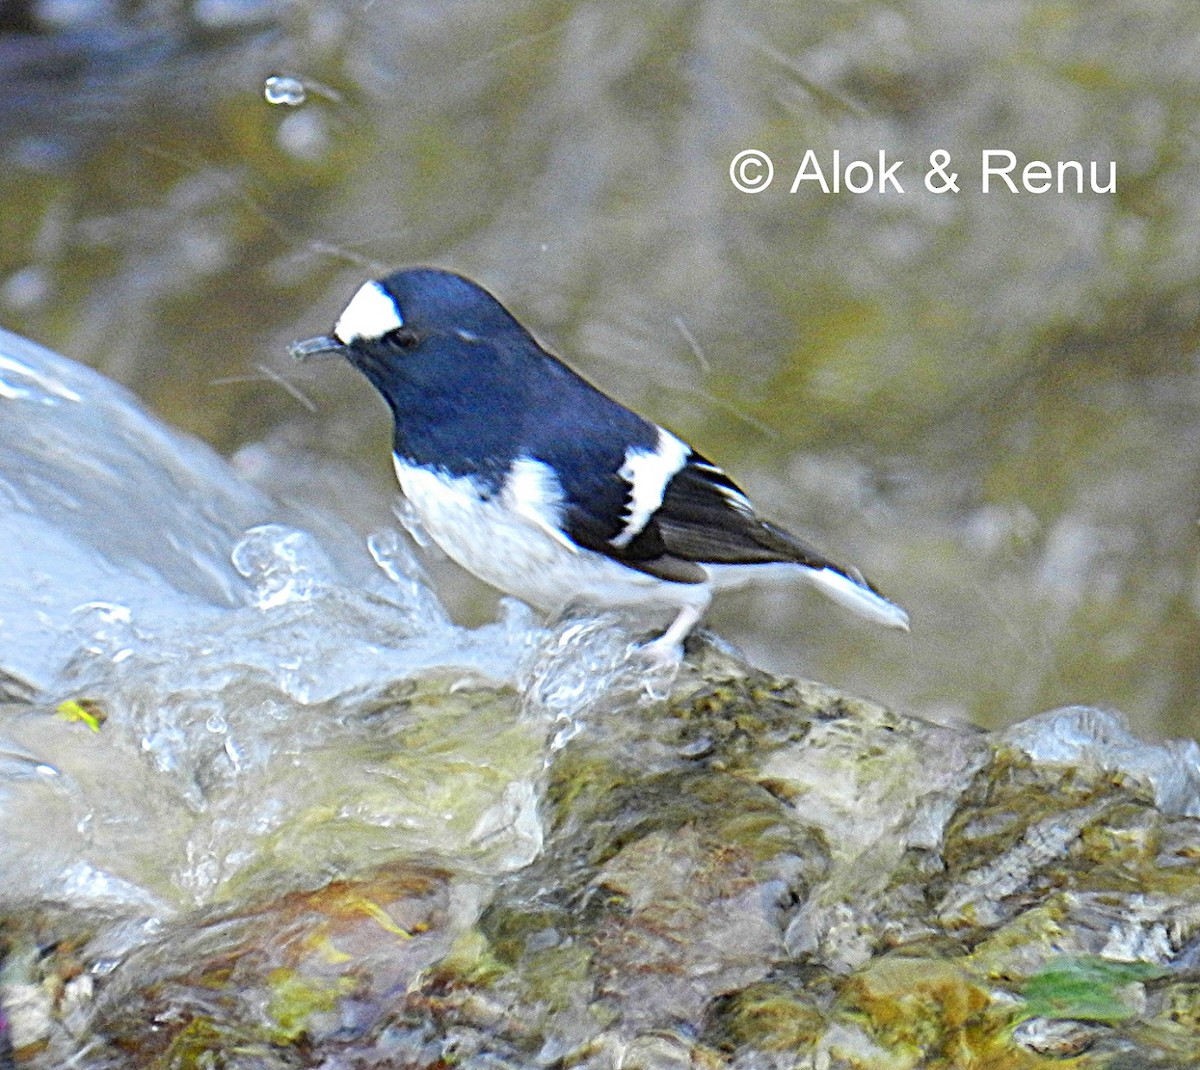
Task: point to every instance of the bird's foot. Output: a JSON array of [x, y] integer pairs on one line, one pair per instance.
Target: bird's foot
[[664, 655], [658, 664], [662, 652]]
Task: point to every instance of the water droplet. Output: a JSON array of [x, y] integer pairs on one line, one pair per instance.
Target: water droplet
[[284, 89]]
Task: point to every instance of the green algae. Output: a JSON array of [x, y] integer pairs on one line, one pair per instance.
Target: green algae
[[1088, 988]]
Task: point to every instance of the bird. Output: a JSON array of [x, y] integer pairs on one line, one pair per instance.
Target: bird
[[543, 486]]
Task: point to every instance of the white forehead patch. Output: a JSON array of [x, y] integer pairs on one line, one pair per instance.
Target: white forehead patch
[[371, 313]]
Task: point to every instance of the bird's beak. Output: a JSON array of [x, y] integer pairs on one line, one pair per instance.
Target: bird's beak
[[322, 346]]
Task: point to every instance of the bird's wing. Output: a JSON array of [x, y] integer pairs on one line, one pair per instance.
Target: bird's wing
[[706, 517], [674, 520], [637, 494]]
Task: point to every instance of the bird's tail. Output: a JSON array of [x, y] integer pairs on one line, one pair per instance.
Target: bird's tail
[[847, 586], [853, 592]]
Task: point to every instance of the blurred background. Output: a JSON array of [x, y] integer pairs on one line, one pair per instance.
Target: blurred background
[[991, 403]]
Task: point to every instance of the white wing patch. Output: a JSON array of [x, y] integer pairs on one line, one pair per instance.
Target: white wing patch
[[371, 313], [533, 493], [648, 472]]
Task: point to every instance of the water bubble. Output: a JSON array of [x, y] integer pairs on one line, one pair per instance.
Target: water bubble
[[284, 89], [407, 515]]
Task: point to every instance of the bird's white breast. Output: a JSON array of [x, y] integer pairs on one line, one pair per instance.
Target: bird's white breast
[[512, 540]]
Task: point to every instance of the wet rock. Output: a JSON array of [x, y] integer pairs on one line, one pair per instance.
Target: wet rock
[[1053, 915]]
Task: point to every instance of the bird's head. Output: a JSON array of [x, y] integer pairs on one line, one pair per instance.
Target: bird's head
[[390, 320]]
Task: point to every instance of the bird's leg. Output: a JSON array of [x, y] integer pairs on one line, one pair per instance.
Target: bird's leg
[[668, 647]]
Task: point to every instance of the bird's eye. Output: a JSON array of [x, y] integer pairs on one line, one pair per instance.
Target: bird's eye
[[401, 337]]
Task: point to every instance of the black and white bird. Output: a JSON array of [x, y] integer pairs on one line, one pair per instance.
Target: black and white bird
[[539, 484]]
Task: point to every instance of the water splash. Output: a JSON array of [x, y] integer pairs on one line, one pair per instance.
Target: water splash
[[270, 700], [282, 565], [587, 667], [410, 585]]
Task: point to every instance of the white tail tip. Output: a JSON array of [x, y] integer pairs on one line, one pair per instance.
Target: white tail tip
[[858, 597]]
